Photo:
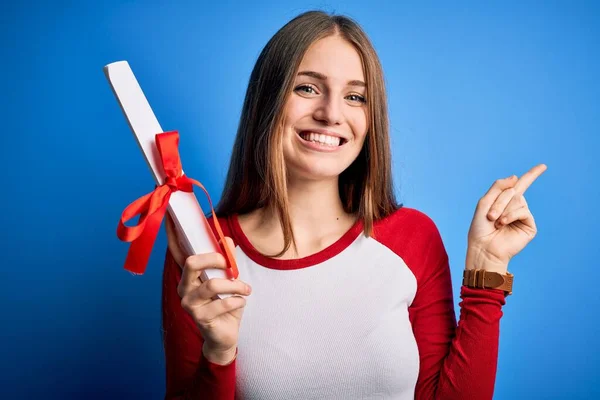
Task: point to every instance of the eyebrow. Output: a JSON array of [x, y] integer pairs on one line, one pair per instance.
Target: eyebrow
[[320, 76]]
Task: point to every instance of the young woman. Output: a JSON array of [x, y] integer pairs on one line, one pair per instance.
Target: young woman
[[351, 292]]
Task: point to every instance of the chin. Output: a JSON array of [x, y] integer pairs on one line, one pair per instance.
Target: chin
[[315, 166]]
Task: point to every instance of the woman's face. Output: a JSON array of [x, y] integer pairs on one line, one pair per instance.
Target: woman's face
[[326, 115]]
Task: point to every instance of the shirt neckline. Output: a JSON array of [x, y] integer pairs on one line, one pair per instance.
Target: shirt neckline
[[290, 264]]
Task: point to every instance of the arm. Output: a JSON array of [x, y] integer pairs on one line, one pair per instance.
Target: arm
[[189, 375], [456, 362]]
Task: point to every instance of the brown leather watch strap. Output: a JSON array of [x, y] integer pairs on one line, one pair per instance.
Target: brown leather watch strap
[[479, 278]]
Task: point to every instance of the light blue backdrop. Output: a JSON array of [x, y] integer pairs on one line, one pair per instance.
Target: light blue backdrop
[[477, 92]]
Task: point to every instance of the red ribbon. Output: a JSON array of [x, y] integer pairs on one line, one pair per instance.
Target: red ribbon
[[152, 208]]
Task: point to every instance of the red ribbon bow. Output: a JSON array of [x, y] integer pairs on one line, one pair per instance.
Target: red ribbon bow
[[152, 208]]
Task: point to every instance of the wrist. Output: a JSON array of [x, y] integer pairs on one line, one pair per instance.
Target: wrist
[[483, 279], [479, 260], [219, 357]]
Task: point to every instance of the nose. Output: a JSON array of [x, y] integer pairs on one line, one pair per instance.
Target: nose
[[330, 111]]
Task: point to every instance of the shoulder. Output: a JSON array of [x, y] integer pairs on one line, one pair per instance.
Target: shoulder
[[406, 222], [413, 236]]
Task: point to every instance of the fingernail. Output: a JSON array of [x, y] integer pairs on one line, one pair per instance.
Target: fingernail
[[248, 289]]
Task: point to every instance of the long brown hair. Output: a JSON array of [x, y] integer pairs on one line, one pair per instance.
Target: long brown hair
[[257, 174]]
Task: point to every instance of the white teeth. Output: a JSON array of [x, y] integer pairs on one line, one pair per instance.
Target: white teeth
[[322, 139]]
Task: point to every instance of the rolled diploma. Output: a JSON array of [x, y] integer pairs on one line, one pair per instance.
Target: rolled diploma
[[193, 230]]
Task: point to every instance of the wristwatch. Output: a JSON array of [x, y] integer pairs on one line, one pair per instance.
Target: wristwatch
[[482, 279]]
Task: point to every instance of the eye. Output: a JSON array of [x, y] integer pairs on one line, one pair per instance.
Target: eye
[[356, 98], [306, 89]]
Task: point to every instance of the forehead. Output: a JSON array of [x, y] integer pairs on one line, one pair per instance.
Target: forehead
[[334, 57]]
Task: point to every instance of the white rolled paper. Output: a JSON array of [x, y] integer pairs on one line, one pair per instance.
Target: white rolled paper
[[193, 230]]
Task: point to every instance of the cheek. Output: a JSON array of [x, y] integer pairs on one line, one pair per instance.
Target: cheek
[[360, 124], [295, 110]]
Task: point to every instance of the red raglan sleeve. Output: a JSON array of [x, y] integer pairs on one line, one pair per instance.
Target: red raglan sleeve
[[456, 361], [189, 375]]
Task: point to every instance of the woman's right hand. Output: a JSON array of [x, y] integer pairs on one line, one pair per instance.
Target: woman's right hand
[[218, 319]]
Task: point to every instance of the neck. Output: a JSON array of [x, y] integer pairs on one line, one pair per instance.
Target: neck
[[314, 203]]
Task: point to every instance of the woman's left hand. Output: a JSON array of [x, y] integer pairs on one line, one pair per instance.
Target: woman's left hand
[[502, 225]]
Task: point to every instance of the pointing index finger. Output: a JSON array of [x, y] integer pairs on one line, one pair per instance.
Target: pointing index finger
[[529, 177]]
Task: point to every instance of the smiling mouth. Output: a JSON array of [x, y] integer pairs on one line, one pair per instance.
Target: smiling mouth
[[325, 140]]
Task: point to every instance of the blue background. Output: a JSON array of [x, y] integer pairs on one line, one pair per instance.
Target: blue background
[[477, 92]]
